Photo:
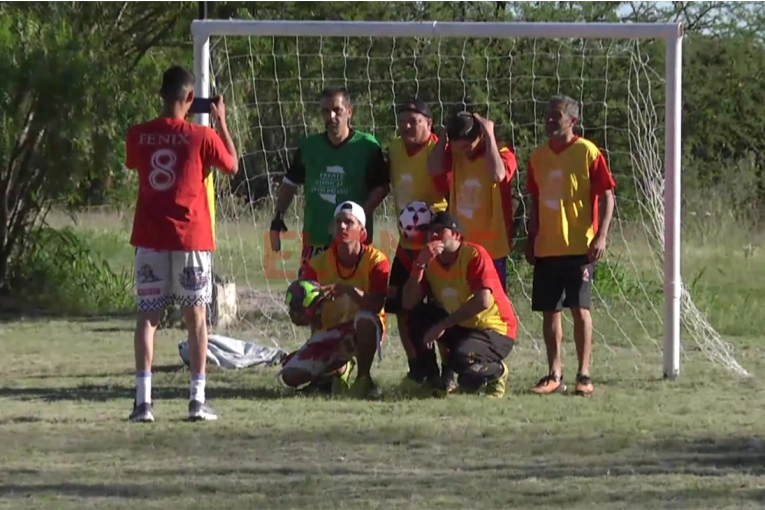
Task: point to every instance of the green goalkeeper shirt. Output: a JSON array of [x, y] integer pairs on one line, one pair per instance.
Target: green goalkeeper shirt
[[331, 174]]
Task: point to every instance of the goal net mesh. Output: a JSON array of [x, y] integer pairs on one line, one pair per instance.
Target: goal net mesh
[[272, 86]]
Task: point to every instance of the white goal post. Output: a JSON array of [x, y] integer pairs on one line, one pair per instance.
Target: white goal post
[[670, 33]]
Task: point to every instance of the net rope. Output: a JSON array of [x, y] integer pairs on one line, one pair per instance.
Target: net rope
[[272, 87]]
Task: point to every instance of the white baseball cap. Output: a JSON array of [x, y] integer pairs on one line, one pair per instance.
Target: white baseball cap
[[355, 209]]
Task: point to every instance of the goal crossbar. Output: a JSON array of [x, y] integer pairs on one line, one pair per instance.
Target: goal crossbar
[[670, 33], [553, 30]]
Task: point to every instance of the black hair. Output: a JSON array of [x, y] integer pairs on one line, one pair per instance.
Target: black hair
[[331, 92], [176, 82], [463, 127]]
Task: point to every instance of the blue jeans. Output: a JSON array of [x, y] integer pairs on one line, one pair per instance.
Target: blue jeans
[[501, 266]]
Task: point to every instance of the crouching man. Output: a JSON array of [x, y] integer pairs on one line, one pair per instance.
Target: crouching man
[[348, 322], [466, 311]]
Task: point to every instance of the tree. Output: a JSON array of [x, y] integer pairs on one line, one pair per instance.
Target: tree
[[73, 76]]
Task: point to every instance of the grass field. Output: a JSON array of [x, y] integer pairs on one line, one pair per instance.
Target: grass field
[[640, 442]]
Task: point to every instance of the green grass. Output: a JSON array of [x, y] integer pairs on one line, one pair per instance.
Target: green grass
[[640, 442]]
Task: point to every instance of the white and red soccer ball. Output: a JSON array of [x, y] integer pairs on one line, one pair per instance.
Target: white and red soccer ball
[[412, 217]]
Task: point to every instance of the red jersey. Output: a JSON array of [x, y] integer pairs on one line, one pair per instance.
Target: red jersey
[[171, 155]]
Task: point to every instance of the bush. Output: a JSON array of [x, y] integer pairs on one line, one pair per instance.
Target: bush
[[60, 273]]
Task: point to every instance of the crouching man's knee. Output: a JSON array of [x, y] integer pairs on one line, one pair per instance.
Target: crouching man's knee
[[292, 374], [369, 330]]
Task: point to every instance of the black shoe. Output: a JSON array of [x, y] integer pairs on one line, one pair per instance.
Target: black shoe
[[449, 380], [143, 413], [199, 411], [321, 387]]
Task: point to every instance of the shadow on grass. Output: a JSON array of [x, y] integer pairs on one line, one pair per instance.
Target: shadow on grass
[[96, 490], [701, 457], [158, 369], [12, 314], [550, 480], [104, 393]]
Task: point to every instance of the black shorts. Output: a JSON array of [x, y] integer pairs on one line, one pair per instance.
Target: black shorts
[[399, 274], [562, 282], [466, 346]]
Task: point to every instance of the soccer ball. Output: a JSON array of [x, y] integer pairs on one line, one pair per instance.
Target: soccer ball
[[413, 216], [302, 300]]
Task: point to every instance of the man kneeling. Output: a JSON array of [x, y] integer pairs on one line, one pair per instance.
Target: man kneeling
[[467, 310], [349, 320]]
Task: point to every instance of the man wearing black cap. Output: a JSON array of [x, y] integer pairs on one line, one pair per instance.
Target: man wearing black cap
[[410, 182], [480, 170], [467, 310]]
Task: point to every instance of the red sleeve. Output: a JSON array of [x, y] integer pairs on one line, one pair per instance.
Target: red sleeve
[[443, 184], [480, 272], [309, 273], [379, 276], [131, 151], [600, 176], [508, 158], [447, 161], [215, 153], [531, 182]]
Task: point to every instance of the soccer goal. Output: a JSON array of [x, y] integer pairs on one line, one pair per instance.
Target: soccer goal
[[626, 77]]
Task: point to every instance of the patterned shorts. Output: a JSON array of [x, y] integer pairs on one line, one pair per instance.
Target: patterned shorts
[[164, 278], [328, 350]]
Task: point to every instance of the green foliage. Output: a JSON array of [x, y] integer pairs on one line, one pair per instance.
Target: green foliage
[[62, 272], [76, 75]]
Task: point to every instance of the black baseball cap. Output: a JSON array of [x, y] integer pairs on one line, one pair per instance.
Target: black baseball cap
[[442, 219], [462, 126], [417, 106]]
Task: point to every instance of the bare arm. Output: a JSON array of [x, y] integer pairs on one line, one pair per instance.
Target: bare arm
[[494, 163], [287, 192], [413, 292], [225, 135], [437, 158], [295, 177], [373, 300], [607, 213], [367, 301], [480, 301]]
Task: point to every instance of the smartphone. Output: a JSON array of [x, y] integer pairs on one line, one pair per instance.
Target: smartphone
[[201, 105]]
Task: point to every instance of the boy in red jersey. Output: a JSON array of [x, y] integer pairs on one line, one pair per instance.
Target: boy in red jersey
[[351, 321], [172, 229], [467, 310], [568, 179]]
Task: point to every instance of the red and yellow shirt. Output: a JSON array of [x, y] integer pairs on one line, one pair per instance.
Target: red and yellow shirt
[[411, 182], [483, 208], [370, 275], [566, 184], [472, 271]]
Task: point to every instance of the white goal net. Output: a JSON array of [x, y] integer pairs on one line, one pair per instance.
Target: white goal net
[[272, 87]]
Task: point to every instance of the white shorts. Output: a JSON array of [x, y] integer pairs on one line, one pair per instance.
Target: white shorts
[[164, 278], [327, 350]]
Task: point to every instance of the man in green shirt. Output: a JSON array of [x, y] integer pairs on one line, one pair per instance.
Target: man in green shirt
[[335, 166]]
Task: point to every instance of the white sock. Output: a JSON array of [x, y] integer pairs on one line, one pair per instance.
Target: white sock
[[142, 388], [197, 390]]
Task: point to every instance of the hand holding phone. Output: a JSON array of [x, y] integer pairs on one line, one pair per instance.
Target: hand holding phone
[[218, 109], [210, 105]]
